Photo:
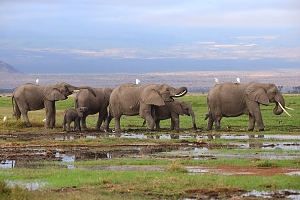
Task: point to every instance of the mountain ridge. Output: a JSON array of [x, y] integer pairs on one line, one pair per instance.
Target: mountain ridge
[[6, 68]]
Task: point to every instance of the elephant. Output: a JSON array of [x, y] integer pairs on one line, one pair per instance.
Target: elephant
[[235, 99], [73, 115], [132, 99], [28, 97], [172, 110], [98, 104]]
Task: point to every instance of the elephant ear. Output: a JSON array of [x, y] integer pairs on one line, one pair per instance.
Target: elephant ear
[[177, 108], [150, 95], [53, 94], [257, 93]]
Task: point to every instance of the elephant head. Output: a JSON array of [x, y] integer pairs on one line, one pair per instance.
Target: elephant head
[[62, 90], [158, 94], [265, 94], [183, 108]]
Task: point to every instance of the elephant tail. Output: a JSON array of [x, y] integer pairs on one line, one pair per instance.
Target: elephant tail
[[16, 110], [76, 102], [13, 105], [207, 115]]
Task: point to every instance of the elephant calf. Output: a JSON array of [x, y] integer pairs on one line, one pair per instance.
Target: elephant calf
[[73, 115], [172, 110]]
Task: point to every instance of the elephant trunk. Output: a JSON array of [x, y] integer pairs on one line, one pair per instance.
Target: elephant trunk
[[180, 92], [278, 109], [193, 119]]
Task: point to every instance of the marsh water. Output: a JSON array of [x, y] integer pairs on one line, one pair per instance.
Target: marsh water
[[195, 146]]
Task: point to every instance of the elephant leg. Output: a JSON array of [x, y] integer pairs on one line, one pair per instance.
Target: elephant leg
[[157, 125], [83, 124], [218, 123], [146, 113], [251, 123], [259, 121], [175, 122], [210, 123], [68, 126], [257, 118], [24, 111], [150, 122], [77, 125], [25, 116], [117, 124], [50, 114], [101, 117], [106, 123], [64, 125]]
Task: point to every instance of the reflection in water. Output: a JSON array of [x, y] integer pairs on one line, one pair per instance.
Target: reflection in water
[[7, 164]]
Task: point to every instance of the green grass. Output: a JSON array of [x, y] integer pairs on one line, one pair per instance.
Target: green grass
[[172, 183]]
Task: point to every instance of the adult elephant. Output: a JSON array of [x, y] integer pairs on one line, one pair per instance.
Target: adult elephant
[[95, 104], [131, 99], [234, 99], [29, 97], [172, 110]]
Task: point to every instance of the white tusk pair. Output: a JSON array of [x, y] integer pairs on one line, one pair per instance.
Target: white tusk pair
[[283, 109]]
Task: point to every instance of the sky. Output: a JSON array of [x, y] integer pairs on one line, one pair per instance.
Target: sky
[[54, 36]]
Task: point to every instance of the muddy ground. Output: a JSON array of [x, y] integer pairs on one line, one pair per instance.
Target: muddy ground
[[23, 150]]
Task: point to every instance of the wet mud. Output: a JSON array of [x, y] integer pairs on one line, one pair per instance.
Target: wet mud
[[20, 150]]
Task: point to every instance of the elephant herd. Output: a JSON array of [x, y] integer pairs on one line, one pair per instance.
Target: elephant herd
[[152, 102]]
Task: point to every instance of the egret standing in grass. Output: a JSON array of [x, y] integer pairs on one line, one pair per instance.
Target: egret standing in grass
[[238, 80], [137, 81], [4, 118], [217, 81], [37, 81]]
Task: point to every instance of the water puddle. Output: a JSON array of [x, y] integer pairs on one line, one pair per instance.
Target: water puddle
[[7, 164], [33, 185], [281, 194]]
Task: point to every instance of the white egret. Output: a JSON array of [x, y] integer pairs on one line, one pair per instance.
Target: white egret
[[137, 81], [4, 118], [238, 80], [217, 81], [37, 81], [44, 120]]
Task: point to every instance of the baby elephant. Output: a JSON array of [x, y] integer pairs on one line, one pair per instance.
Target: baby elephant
[[73, 115], [172, 110]]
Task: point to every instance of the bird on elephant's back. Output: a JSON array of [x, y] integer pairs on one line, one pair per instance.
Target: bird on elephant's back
[[28, 97], [235, 99], [131, 99]]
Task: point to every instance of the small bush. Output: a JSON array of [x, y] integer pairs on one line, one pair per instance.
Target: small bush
[[266, 163], [176, 167], [5, 191]]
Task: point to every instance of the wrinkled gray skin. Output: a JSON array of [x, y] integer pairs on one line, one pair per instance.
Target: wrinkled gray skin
[[73, 115], [98, 104], [29, 97], [234, 99], [131, 99], [173, 110]]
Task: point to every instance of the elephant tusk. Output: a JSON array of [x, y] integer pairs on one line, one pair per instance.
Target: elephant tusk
[[283, 109], [181, 94], [289, 108]]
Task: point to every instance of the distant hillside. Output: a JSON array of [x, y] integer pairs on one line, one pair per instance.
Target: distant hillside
[[6, 68]]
